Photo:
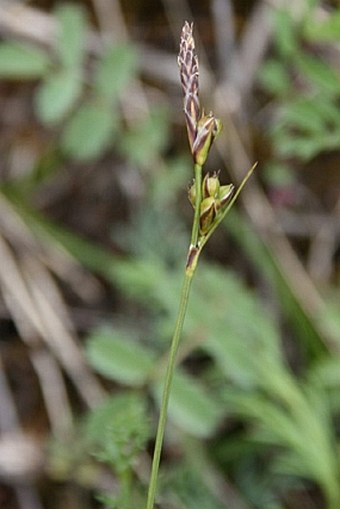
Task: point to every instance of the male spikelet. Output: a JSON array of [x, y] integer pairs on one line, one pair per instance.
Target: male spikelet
[[202, 129]]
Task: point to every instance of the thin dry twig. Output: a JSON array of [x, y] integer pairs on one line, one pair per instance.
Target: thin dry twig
[[20, 457], [224, 32], [18, 20], [111, 21], [61, 340], [48, 372], [28, 284], [113, 29], [23, 279], [251, 51], [323, 246], [176, 11], [59, 422], [57, 259], [9, 419]]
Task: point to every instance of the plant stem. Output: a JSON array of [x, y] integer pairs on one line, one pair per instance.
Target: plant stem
[[183, 305], [198, 199], [126, 481], [167, 388], [194, 251]]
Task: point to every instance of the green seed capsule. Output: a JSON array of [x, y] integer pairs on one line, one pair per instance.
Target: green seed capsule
[[210, 186], [226, 193], [207, 215]]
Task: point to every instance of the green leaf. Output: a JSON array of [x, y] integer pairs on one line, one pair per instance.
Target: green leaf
[[316, 114], [115, 70], [318, 72], [234, 326], [138, 278], [190, 406], [186, 485], [327, 30], [143, 142], [89, 132], [327, 373], [330, 318], [19, 61], [116, 356], [273, 77], [285, 33], [326, 107], [307, 127], [278, 174], [71, 38], [57, 95], [118, 429], [303, 146], [306, 327], [297, 428], [303, 115]]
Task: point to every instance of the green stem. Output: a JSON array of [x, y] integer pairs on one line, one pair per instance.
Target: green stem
[[189, 272], [125, 497], [194, 251], [198, 199], [167, 388]]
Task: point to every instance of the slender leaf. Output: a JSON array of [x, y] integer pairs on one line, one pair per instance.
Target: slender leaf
[[118, 357], [21, 61], [285, 33], [306, 327], [114, 72], [326, 30], [190, 406], [274, 77], [71, 40], [146, 139], [318, 72], [89, 132], [57, 95]]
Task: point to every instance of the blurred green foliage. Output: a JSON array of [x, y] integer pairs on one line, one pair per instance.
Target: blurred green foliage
[[83, 104], [304, 81], [287, 420]]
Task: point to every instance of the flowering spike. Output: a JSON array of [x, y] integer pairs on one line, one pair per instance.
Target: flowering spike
[[202, 129], [188, 65]]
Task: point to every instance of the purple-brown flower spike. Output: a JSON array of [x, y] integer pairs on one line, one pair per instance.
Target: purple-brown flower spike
[[188, 66], [202, 129]]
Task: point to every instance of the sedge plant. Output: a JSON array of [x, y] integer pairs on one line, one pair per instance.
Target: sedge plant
[[211, 202]]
